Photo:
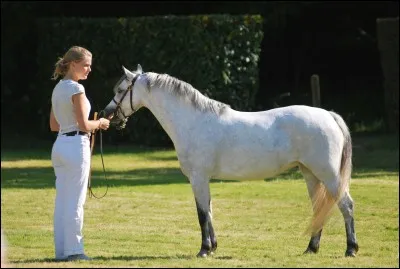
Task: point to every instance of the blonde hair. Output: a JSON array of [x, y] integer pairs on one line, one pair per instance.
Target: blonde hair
[[74, 54]]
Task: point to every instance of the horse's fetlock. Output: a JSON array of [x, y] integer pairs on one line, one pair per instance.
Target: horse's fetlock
[[213, 246], [206, 247]]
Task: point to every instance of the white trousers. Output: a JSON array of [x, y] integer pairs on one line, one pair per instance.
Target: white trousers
[[70, 157]]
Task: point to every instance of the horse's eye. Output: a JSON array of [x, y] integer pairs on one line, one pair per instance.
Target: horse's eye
[[120, 90]]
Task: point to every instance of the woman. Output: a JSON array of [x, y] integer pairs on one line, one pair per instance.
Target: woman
[[71, 151]]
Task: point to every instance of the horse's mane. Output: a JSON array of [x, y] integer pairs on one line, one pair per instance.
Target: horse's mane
[[184, 89]]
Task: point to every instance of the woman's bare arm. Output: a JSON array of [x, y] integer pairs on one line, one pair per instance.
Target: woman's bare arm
[[85, 124]]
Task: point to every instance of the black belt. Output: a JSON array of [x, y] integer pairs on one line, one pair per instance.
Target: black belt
[[73, 133]]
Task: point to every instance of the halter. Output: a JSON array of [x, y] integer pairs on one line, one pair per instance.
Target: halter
[[129, 89]]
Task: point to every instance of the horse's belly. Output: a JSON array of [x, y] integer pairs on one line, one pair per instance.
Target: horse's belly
[[255, 167], [245, 175]]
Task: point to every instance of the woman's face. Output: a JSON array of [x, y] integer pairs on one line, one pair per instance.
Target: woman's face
[[81, 69]]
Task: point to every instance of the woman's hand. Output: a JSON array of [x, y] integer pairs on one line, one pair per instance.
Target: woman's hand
[[104, 124]]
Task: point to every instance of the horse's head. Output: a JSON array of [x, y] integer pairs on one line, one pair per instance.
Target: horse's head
[[126, 100]]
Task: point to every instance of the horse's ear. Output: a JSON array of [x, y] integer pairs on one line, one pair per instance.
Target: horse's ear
[[139, 69], [128, 73]]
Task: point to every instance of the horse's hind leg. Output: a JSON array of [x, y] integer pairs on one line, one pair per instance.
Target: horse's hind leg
[[312, 185], [201, 191], [346, 207]]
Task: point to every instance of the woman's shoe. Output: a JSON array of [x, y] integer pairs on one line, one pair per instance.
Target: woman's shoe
[[77, 257]]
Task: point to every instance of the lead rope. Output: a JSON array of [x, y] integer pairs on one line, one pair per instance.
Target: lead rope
[[91, 194]]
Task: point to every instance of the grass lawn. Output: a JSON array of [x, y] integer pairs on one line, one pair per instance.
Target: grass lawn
[[148, 217]]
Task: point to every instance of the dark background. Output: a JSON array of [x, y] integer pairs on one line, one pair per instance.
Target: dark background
[[336, 40]]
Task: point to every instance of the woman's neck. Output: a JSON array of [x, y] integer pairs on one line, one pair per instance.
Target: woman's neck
[[71, 77]]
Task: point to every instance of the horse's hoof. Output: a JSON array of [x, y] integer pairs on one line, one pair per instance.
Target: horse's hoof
[[350, 253], [351, 250], [203, 253], [310, 251]]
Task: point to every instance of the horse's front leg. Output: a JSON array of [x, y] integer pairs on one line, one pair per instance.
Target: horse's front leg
[[201, 191], [213, 237]]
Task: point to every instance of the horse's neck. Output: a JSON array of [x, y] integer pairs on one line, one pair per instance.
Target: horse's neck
[[174, 114]]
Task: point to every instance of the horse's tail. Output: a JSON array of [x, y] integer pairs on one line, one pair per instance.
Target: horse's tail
[[323, 201], [347, 152]]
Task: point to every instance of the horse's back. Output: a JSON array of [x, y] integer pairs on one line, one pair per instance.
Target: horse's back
[[300, 113], [296, 120]]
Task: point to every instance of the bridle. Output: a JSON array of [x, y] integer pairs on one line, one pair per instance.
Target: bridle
[[130, 90]]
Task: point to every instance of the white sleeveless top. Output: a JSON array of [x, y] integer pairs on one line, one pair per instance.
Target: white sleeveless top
[[63, 108]]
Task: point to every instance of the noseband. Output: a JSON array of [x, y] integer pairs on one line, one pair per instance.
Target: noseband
[[129, 89]]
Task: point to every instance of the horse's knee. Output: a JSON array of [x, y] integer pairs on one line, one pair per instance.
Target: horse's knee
[[346, 204]]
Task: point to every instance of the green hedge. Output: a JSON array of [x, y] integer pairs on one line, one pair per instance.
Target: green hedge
[[216, 54]]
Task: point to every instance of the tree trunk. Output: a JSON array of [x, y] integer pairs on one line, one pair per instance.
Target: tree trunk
[[388, 43]]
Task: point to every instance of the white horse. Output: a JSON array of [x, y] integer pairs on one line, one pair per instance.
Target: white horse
[[213, 140]]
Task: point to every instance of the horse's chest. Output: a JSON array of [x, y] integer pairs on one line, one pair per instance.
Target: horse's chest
[[202, 161]]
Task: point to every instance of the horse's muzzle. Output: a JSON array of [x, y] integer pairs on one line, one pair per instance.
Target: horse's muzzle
[[109, 113]]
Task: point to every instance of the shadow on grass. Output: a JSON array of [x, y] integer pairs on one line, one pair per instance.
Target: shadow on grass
[[44, 153], [20, 155], [117, 258], [137, 258], [133, 258], [40, 178], [162, 158], [373, 173]]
